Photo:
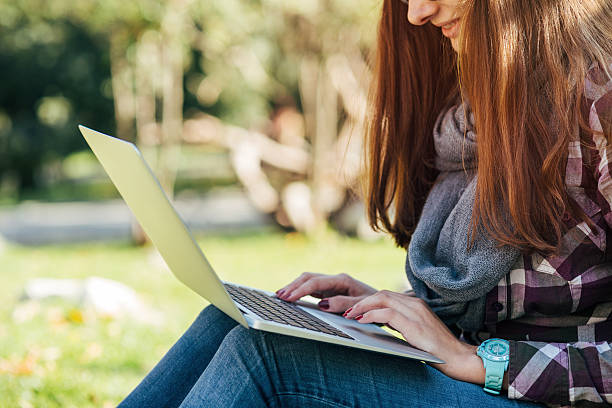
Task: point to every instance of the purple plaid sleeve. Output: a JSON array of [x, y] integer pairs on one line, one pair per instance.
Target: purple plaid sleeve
[[557, 311], [561, 374]]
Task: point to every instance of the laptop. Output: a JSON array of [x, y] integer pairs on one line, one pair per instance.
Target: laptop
[[250, 307]]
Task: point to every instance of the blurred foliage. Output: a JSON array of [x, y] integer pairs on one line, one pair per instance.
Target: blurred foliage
[[53, 74], [202, 168], [242, 60]]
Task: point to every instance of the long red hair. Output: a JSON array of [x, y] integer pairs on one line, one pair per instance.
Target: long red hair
[[521, 65]]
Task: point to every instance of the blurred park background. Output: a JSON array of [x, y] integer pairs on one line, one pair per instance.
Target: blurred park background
[[251, 114]]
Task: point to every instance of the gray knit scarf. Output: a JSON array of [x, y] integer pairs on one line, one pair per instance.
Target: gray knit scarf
[[450, 278]]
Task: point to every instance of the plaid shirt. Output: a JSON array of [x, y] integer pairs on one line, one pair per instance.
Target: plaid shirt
[[557, 311]]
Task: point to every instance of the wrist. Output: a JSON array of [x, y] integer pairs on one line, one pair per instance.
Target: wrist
[[474, 368], [463, 364]]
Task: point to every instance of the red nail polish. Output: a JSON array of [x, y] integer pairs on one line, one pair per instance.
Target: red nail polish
[[324, 304], [347, 312], [359, 317], [280, 293]]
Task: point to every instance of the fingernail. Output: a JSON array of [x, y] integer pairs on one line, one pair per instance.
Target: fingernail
[[280, 293], [286, 295], [359, 317], [347, 312], [324, 304]]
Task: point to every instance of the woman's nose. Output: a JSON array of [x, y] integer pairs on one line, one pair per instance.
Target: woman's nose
[[421, 11]]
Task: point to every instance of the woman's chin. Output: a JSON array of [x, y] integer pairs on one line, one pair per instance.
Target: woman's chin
[[455, 43]]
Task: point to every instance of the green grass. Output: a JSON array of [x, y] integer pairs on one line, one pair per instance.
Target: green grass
[[61, 356]]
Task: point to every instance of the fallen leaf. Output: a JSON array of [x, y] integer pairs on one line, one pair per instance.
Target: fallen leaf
[[75, 316]]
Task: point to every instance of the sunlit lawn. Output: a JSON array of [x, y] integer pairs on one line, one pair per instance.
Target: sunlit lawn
[[61, 356]]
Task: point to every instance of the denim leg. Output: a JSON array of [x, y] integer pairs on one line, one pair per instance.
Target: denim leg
[[258, 369], [172, 378]]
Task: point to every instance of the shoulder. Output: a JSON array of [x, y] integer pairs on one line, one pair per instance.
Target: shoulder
[[593, 148], [598, 97], [597, 79]]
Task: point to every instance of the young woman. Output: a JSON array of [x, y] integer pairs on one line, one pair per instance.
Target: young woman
[[488, 153]]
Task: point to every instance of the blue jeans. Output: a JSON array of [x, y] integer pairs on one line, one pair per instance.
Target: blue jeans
[[220, 364]]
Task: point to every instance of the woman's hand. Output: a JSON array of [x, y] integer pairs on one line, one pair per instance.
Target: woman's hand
[[338, 292], [423, 329]]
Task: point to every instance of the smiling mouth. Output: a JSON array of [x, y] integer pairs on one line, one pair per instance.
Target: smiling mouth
[[451, 29]]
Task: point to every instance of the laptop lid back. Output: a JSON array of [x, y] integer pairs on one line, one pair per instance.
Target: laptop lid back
[[142, 192]]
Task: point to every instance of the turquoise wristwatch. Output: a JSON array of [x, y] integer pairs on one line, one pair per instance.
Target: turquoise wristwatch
[[495, 354]]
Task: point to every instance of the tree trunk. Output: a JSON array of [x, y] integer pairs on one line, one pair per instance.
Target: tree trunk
[[122, 79], [173, 24]]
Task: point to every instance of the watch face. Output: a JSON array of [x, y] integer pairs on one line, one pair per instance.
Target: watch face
[[496, 349]]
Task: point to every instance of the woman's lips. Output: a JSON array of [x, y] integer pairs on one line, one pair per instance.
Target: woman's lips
[[451, 30]]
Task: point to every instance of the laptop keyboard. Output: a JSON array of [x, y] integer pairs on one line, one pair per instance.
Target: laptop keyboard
[[276, 310]]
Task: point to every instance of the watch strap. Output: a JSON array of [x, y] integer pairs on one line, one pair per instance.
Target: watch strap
[[494, 376]]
